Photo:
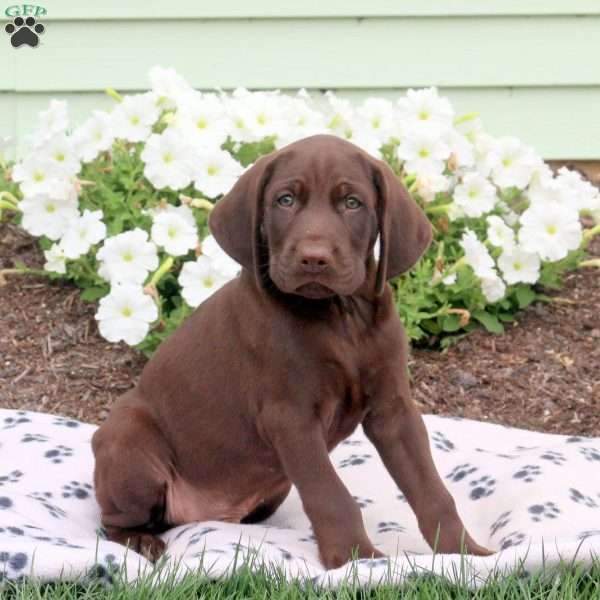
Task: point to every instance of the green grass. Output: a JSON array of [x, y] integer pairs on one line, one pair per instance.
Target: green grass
[[566, 583]]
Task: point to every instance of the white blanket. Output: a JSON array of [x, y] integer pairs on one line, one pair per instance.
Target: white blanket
[[533, 497]]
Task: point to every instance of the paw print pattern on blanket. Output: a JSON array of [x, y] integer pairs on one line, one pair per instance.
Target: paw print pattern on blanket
[[519, 491], [539, 512], [528, 473], [461, 471], [77, 490], [580, 498], [57, 454], [11, 477], [590, 453], [482, 487]]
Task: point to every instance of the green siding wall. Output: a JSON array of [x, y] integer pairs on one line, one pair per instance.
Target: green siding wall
[[529, 68]]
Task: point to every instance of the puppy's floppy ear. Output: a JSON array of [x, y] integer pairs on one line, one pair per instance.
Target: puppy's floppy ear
[[404, 229], [237, 217]]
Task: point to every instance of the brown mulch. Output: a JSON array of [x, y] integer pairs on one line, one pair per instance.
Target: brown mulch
[[543, 373]]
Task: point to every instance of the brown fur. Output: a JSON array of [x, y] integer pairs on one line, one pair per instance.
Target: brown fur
[[251, 393]]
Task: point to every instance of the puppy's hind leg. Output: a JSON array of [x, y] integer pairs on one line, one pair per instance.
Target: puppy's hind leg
[[130, 479]]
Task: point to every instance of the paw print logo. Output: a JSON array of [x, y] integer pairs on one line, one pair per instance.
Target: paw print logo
[[77, 490], [44, 499], [528, 473], [24, 32], [548, 510], [57, 454], [460, 472], [482, 487]]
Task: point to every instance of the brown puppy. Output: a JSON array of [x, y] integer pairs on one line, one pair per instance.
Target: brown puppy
[[271, 372]]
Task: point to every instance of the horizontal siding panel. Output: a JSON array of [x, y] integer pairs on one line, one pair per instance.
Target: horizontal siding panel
[[233, 9], [559, 123], [288, 53]]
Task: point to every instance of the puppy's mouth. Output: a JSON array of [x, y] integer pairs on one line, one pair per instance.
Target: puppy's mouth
[[314, 290]]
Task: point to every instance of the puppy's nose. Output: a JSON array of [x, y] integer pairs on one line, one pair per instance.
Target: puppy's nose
[[315, 259]]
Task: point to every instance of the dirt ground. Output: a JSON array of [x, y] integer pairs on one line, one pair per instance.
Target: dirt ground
[[543, 373]]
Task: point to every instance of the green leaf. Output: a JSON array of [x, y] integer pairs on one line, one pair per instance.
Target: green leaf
[[93, 293], [451, 322], [525, 295], [506, 317], [489, 321]]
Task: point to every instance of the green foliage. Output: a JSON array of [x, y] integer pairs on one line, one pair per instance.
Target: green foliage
[[430, 309]]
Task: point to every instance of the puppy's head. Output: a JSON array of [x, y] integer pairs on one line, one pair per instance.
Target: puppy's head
[[307, 218]]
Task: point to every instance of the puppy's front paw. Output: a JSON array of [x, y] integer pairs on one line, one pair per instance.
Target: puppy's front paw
[[334, 556], [147, 545]]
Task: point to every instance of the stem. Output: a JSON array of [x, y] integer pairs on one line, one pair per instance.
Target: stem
[[467, 117], [439, 209], [202, 203], [10, 198], [114, 94], [161, 271], [594, 262], [21, 271], [588, 234]]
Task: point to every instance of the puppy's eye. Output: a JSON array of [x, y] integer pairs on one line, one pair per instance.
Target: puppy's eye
[[286, 200], [352, 202]]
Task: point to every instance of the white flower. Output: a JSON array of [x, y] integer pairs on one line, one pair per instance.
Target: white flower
[[216, 172], [427, 185], [423, 150], [255, 115], [60, 150], [168, 86], [449, 279], [125, 314], [462, 151], [477, 256], [202, 118], [219, 259], [342, 115], [55, 259], [43, 215], [493, 288], [93, 136], [82, 233], [199, 280], [168, 160], [547, 189], [585, 196], [517, 265], [551, 230], [512, 163], [301, 118], [50, 122], [127, 257], [475, 195], [39, 175], [377, 118], [499, 233], [133, 118], [426, 106], [174, 233]]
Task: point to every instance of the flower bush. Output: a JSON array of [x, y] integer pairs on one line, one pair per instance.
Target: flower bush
[[120, 203]]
